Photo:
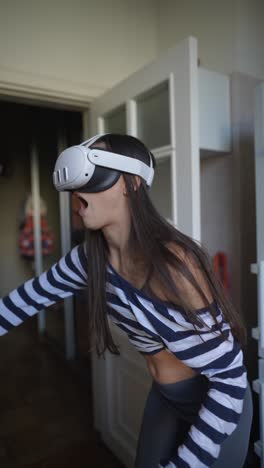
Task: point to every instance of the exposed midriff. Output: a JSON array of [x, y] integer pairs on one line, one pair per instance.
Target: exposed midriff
[[165, 368]]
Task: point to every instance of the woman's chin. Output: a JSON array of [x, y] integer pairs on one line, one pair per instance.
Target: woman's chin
[[91, 225]]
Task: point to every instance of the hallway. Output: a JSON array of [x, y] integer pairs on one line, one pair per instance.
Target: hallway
[[45, 408]]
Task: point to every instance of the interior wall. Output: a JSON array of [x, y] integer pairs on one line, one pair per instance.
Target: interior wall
[[243, 96], [77, 47], [230, 33], [228, 206], [83, 48], [249, 38], [216, 208]]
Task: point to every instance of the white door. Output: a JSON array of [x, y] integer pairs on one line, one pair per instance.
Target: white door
[[258, 267], [159, 105]]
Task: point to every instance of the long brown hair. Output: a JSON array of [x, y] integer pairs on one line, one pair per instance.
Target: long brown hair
[[149, 233]]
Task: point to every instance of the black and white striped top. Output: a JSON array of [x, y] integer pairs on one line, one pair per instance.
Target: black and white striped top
[[152, 325]]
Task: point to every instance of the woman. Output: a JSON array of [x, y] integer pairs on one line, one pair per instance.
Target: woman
[[157, 285]]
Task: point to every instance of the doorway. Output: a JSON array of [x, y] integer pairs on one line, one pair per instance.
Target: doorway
[[27, 131]]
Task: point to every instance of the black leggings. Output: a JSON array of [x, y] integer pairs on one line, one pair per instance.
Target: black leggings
[[169, 412]]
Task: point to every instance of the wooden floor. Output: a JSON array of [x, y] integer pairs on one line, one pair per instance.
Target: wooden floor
[[45, 408]]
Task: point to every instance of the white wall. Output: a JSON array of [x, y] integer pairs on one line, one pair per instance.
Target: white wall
[[80, 47], [230, 33], [249, 38]]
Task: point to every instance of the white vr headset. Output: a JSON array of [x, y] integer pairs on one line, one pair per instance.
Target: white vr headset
[[84, 169]]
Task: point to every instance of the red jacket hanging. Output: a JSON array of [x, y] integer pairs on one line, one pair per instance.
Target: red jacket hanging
[[26, 236], [220, 268]]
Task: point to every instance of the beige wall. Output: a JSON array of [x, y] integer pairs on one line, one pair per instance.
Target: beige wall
[[80, 47], [243, 95], [230, 33]]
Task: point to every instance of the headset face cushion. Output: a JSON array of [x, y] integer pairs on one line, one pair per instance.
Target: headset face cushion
[[102, 179]]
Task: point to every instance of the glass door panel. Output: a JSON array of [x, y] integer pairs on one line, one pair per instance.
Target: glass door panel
[[153, 116], [115, 121], [160, 191]]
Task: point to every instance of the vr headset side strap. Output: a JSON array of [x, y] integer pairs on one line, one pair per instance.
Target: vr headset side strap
[[122, 163]]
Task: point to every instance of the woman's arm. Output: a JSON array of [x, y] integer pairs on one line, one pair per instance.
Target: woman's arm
[[63, 279], [219, 413], [222, 363]]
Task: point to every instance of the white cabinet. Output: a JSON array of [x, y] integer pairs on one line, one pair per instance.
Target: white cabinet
[[214, 111]]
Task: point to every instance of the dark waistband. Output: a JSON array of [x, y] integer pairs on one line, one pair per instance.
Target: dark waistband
[[185, 396]]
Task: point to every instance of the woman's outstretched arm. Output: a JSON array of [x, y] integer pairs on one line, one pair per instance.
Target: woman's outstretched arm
[[63, 279]]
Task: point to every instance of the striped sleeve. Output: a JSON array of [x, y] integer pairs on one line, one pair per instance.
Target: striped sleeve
[[63, 279], [222, 363]]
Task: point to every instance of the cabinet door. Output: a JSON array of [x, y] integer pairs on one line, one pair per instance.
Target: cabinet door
[[159, 105]]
